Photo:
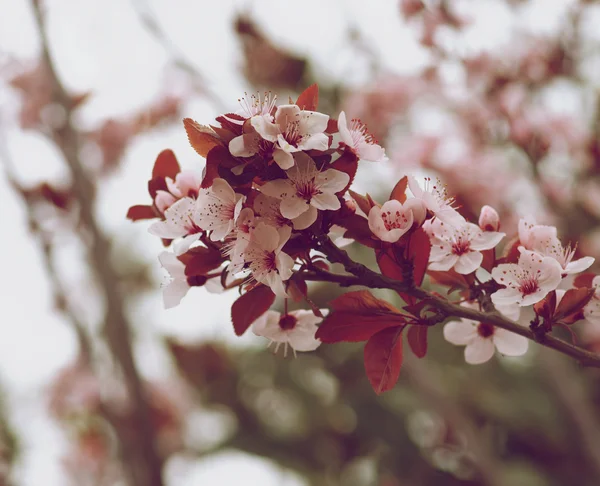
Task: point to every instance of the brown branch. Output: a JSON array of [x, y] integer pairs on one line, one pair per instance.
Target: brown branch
[[363, 276], [146, 464]]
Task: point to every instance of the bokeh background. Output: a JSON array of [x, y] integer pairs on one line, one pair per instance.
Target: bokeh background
[[101, 386]]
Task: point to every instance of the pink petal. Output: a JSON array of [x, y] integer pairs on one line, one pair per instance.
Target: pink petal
[[266, 237], [343, 130], [267, 325], [508, 296], [312, 122], [580, 265], [371, 152], [445, 263], [279, 188], [331, 180], [265, 128], [317, 141], [244, 146], [174, 292], [486, 240], [292, 207], [284, 159]]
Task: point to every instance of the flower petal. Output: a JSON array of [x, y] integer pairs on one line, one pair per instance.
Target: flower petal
[[579, 265], [306, 219], [325, 201], [284, 159], [468, 262], [509, 343], [479, 350], [174, 292], [460, 332]]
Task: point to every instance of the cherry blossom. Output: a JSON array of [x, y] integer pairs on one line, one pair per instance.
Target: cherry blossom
[[296, 329], [181, 220], [268, 208], [186, 184], [392, 220], [178, 286], [359, 140], [435, 199], [552, 247], [592, 309], [294, 130], [218, 208], [250, 142], [489, 220], [527, 282], [307, 189], [481, 339], [458, 247], [237, 244], [263, 256], [532, 235]]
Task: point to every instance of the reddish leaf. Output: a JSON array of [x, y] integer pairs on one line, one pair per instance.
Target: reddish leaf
[[166, 165], [363, 202], [309, 98], [399, 191], [489, 259], [348, 163], [417, 340], [202, 138], [140, 211], [383, 359], [450, 279], [357, 228], [417, 308], [250, 306], [201, 261], [332, 126], [216, 157], [573, 302], [511, 252], [363, 300], [419, 248], [545, 308], [584, 280]]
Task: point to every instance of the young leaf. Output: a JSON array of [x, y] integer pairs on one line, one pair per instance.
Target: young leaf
[[545, 308], [309, 98], [399, 191], [201, 138], [250, 306], [417, 340], [348, 163], [216, 157], [573, 302], [419, 248], [361, 201], [140, 211], [383, 359], [584, 280], [363, 300], [166, 165], [201, 260]]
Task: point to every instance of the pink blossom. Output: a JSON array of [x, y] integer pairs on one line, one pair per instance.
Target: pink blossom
[[527, 282], [250, 142], [263, 256], [268, 208], [186, 184], [218, 208], [307, 189], [391, 221], [359, 140], [481, 339], [296, 329], [458, 247], [294, 130], [178, 285], [592, 309], [435, 199], [552, 247], [181, 220], [489, 220], [532, 235]]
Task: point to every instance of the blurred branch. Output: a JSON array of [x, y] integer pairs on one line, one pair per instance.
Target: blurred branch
[[146, 464], [363, 276], [149, 21]]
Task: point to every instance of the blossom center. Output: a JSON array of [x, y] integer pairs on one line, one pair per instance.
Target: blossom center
[[292, 133], [359, 133], [461, 246], [191, 227], [485, 330], [287, 322], [307, 189], [394, 220], [528, 286]]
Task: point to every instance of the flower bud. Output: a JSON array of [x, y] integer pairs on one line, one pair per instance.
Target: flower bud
[[489, 219]]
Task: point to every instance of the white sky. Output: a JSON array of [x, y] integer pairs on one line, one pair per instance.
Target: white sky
[[100, 46]]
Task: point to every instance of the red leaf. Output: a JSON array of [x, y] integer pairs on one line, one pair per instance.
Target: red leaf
[[489, 259], [363, 202], [388, 265], [399, 191], [573, 302], [166, 165], [419, 248], [357, 228], [138, 212], [250, 306], [584, 280], [201, 261], [309, 98], [216, 157], [545, 308], [348, 163], [383, 359], [332, 126], [201, 138], [417, 340], [363, 300]]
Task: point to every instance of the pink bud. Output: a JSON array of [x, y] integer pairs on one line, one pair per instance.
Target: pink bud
[[489, 219], [163, 200]]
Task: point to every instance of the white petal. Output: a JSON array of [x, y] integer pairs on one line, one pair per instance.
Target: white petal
[[318, 141], [306, 219], [167, 229], [325, 201], [303, 339], [371, 152], [292, 207], [265, 237], [174, 292], [221, 230], [266, 324], [509, 343], [486, 240], [468, 262], [579, 265], [284, 159], [244, 146], [508, 296], [286, 114], [223, 190], [172, 264], [312, 122], [331, 180], [479, 350], [285, 265], [343, 130], [445, 263], [279, 188], [265, 128], [460, 332]]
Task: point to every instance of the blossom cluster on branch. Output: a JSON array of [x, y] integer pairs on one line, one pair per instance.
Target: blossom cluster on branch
[[266, 217]]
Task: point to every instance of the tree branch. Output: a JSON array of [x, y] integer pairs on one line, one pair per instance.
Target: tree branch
[[146, 467], [363, 276]]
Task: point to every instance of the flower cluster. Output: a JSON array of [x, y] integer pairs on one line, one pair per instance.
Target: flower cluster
[[274, 205]]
